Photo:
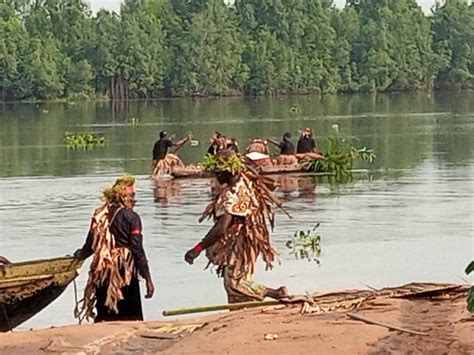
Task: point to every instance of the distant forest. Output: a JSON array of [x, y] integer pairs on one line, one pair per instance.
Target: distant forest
[[51, 49]]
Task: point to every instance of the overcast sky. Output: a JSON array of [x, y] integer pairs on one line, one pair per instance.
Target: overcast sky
[[115, 4]]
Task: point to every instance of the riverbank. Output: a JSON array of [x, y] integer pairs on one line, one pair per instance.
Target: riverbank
[[434, 319]]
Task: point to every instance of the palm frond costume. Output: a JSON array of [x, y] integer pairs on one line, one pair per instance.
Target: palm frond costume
[[115, 241], [246, 205]]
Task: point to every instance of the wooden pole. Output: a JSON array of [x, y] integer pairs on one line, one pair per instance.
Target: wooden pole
[[389, 326], [232, 306]]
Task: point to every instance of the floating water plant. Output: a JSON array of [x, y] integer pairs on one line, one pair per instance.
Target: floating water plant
[[339, 158], [86, 141], [294, 108], [216, 164], [305, 245], [133, 121]]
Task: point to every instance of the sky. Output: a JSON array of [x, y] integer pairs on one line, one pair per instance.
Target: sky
[[115, 4]]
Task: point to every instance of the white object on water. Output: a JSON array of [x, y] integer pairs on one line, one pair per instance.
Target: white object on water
[[256, 156]]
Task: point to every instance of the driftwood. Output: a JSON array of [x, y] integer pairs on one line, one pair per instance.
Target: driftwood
[[389, 326]]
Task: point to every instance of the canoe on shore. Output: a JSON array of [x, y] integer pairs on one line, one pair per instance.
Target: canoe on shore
[[28, 287]]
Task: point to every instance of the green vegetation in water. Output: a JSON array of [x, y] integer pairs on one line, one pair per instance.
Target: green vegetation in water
[[305, 246], [86, 141], [133, 121], [217, 164], [339, 158], [470, 294], [294, 108]]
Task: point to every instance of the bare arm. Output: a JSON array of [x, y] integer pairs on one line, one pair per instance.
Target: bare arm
[[215, 233], [273, 141], [180, 142]]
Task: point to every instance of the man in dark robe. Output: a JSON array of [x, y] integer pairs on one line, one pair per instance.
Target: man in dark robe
[[115, 240]]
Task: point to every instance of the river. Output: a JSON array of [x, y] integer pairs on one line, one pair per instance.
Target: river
[[410, 218]]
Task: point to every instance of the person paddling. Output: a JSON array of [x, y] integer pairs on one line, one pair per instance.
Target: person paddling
[[164, 162], [286, 146], [160, 148]]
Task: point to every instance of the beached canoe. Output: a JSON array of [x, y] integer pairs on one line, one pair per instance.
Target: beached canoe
[[28, 287]]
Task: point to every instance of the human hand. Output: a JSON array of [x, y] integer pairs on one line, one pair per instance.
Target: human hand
[[150, 289], [4, 260], [190, 255]]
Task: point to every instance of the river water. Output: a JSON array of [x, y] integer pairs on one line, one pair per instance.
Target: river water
[[410, 218]]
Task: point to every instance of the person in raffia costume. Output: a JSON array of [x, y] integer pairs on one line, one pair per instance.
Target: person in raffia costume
[[220, 142], [258, 145], [116, 243], [240, 234]]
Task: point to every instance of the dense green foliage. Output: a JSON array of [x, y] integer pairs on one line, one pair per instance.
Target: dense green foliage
[[58, 48]]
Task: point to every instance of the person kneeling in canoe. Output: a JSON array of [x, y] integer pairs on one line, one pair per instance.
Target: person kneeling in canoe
[[260, 146], [115, 241], [287, 150], [240, 234]]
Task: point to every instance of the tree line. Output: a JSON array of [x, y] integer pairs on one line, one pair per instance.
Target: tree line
[[53, 49]]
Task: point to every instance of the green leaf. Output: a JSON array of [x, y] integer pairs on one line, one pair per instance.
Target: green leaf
[[470, 268], [470, 300]]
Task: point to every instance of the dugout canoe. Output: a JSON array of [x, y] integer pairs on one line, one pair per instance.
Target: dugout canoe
[[197, 172], [28, 287]]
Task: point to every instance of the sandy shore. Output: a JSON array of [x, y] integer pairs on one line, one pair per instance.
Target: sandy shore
[[326, 328]]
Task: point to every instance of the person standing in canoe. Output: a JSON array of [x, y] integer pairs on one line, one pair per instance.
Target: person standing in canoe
[[163, 162], [116, 243], [306, 143], [287, 150], [240, 234]]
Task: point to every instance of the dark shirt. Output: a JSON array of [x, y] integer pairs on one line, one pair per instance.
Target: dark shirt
[[286, 148], [306, 145], [127, 230], [212, 150], [161, 148]]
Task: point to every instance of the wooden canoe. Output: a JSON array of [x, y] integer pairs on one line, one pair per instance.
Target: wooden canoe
[[28, 287], [196, 172]]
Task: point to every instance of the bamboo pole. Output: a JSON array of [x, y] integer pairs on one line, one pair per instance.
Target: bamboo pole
[[232, 306], [389, 326]]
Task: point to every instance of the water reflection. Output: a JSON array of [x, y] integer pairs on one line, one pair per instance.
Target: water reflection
[[288, 187], [166, 189], [296, 187]]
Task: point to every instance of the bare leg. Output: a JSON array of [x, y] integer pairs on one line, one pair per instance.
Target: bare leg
[[277, 294]]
